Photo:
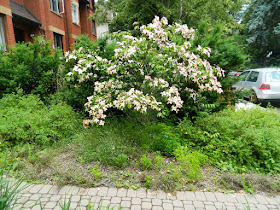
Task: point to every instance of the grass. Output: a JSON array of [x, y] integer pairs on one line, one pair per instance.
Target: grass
[[9, 193]]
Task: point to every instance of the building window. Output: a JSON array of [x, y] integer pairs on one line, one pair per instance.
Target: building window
[[57, 6], [93, 28], [2, 34], [75, 13], [58, 40]]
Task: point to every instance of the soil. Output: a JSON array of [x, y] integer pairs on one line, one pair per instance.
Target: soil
[[66, 168]]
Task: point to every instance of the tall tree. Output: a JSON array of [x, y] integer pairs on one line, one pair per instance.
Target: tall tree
[[188, 12], [262, 21]]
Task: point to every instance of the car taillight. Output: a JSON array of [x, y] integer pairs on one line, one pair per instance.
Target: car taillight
[[265, 87]]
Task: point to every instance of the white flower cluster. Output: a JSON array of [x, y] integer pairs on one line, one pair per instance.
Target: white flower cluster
[[137, 100], [156, 82], [173, 97]]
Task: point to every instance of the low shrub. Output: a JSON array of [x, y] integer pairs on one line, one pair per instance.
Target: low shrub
[[34, 67], [146, 162], [164, 138], [27, 119], [190, 162], [238, 139]]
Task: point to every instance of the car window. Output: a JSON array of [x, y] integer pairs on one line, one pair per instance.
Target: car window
[[253, 77], [243, 75], [272, 76]]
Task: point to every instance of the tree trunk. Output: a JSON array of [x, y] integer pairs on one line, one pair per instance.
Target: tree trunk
[[180, 9], [168, 4]]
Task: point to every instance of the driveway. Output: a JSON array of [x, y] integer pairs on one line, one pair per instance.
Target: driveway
[[248, 105], [277, 105]]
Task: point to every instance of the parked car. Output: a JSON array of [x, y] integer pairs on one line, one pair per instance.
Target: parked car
[[234, 73], [264, 84]]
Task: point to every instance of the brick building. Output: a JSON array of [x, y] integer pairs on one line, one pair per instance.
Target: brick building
[[58, 20]]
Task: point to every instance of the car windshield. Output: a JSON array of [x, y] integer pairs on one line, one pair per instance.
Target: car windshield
[[272, 76]]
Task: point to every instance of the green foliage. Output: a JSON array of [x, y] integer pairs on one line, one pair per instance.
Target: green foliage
[[31, 66], [226, 51], [148, 181], [263, 30], [146, 162], [242, 140], [103, 45], [158, 162], [27, 119], [75, 95], [190, 162], [96, 173], [172, 177], [127, 12], [164, 139], [65, 205], [116, 144], [10, 191]]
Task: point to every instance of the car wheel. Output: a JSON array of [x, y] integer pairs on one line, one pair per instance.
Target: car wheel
[[254, 99]]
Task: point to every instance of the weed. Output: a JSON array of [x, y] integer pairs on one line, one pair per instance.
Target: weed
[[135, 187], [96, 173], [159, 162], [172, 177], [121, 160], [66, 203], [148, 181], [248, 187], [190, 162], [9, 193], [146, 162]]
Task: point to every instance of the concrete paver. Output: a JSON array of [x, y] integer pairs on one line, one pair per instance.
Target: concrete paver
[[51, 196]]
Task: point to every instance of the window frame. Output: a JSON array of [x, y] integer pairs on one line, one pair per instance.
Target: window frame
[[57, 6], [93, 28], [55, 40], [246, 73], [3, 33], [249, 77], [75, 19]]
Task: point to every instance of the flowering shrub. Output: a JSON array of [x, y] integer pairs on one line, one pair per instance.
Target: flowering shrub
[[160, 70]]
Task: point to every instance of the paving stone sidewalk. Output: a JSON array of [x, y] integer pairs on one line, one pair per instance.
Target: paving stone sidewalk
[[50, 196]]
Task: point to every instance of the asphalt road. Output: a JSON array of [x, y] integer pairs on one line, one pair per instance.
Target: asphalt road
[[277, 105]]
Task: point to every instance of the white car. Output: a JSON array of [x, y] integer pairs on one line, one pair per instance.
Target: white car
[[264, 84]]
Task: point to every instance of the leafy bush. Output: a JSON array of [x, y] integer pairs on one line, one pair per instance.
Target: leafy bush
[[238, 139], [164, 139], [146, 162], [160, 71], [26, 119], [30, 66], [190, 162], [76, 95]]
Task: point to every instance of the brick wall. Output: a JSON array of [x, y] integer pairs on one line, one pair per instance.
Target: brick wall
[[50, 21]]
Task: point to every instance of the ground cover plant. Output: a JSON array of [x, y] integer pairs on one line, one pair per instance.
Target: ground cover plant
[[26, 119], [242, 140]]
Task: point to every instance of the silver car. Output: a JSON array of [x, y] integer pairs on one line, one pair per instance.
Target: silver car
[[264, 84]]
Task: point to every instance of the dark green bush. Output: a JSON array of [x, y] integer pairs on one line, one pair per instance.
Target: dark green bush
[[26, 119], [164, 138], [243, 139], [31, 66]]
